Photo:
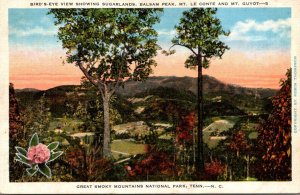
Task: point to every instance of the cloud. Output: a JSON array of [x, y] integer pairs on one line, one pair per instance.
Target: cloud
[[165, 37], [42, 46], [46, 19], [164, 32], [251, 30], [33, 31]]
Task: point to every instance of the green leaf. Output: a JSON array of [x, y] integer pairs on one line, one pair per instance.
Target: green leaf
[[21, 150], [45, 170], [22, 157], [34, 140], [23, 162], [55, 155], [31, 171], [52, 146], [200, 31], [118, 37]]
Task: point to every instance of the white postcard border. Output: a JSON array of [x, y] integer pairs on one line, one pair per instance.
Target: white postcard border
[[219, 187]]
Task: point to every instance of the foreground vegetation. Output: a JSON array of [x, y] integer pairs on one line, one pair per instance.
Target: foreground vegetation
[[156, 146]]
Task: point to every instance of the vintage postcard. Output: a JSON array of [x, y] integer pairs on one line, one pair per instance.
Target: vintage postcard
[[190, 96]]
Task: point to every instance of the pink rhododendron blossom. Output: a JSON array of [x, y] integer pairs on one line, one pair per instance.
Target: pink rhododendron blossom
[[38, 154]]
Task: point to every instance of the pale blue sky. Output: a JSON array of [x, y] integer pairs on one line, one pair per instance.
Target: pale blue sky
[[258, 57], [252, 29]]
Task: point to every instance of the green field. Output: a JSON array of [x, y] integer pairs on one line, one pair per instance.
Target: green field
[[218, 125], [253, 135], [124, 148], [68, 125]]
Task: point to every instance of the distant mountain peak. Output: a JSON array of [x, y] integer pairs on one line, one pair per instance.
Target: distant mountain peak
[[27, 90], [131, 88], [210, 85]]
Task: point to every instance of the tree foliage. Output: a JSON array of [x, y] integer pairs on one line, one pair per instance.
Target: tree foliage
[[15, 134], [214, 169], [109, 46], [155, 163], [15, 122], [238, 143], [36, 118], [185, 129], [199, 30], [274, 140]]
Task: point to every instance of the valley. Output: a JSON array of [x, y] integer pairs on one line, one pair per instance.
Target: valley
[[144, 111]]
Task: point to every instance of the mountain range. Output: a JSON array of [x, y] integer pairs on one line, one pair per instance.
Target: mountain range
[[218, 96], [131, 88]]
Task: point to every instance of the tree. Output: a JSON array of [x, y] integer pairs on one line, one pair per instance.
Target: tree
[[37, 117], [238, 154], [185, 142], [15, 134], [199, 31], [274, 138], [238, 143], [15, 122], [156, 163], [109, 46]]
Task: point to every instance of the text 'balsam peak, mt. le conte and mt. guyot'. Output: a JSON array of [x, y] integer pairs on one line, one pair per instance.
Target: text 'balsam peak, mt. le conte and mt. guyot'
[[147, 4]]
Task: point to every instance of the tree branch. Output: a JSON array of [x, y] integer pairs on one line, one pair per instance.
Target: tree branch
[[191, 49], [86, 74], [117, 84]]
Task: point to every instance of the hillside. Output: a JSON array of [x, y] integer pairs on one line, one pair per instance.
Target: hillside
[[132, 88], [210, 85], [167, 88]]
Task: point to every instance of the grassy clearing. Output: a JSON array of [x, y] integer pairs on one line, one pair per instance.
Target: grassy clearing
[[253, 135], [232, 119], [219, 125], [123, 148], [66, 124], [166, 136]]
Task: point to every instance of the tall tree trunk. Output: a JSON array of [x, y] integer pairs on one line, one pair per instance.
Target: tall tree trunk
[[106, 136], [200, 154]]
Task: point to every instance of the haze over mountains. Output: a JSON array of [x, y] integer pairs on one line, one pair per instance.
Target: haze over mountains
[[210, 85]]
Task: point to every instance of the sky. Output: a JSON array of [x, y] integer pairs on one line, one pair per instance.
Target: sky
[[259, 52]]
